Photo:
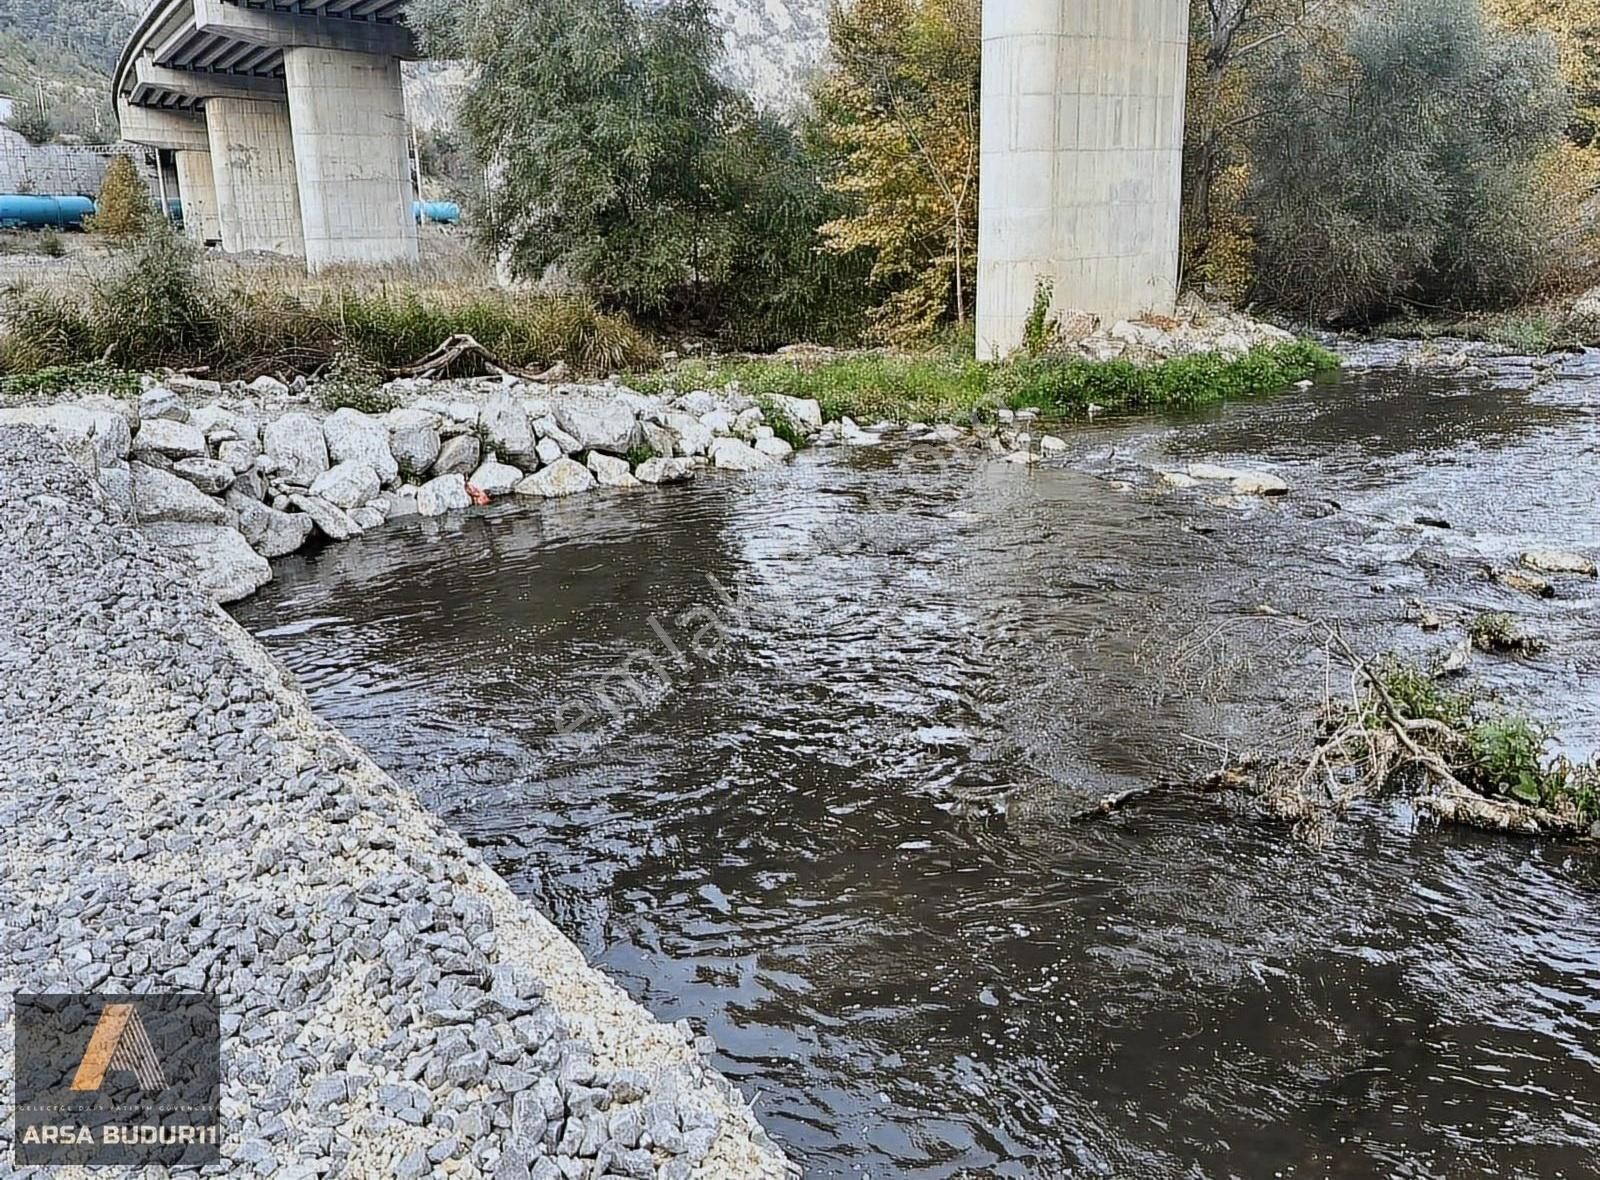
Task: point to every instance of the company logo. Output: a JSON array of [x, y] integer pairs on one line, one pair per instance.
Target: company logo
[[120, 1042], [118, 1080]]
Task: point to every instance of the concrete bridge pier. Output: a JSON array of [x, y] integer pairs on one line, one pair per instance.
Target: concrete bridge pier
[[351, 157], [1081, 153], [253, 168], [197, 192]]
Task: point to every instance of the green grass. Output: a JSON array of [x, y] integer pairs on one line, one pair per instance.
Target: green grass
[[57, 381], [933, 388]]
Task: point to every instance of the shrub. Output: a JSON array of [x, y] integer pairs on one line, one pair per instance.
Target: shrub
[[1401, 170], [623, 165], [33, 123], [124, 206]]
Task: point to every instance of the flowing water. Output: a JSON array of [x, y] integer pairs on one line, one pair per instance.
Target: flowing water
[[794, 755]]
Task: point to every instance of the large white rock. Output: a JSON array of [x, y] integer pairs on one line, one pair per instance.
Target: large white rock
[[804, 412], [549, 450], [333, 522], [458, 455], [659, 439], [296, 444], [774, 447], [172, 440], [225, 565], [611, 472], [214, 419], [269, 532], [161, 496], [698, 402], [240, 454], [209, 475], [494, 478], [268, 386], [599, 424], [564, 477], [1244, 481], [506, 427], [548, 430], [718, 422], [693, 438], [732, 455], [160, 402], [663, 470], [413, 439], [447, 493], [347, 485], [106, 434], [360, 438]]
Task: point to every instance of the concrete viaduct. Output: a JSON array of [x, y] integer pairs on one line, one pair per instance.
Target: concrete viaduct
[[288, 124]]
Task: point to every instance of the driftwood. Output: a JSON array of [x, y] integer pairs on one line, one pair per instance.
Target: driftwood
[[462, 346]]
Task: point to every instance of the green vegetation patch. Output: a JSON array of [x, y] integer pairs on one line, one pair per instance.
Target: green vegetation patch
[[869, 386], [58, 381]]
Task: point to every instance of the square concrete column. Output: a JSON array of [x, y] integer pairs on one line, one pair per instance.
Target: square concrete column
[[350, 145], [1081, 154], [197, 192], [252, 165]]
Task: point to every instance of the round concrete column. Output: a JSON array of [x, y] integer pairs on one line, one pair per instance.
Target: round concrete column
[[350, 147], [1081, 152], [252, 164]]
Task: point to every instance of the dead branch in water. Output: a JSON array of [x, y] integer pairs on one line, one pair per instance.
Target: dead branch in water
[[462, 346]]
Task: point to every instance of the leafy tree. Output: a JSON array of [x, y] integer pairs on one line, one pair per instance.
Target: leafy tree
[[900, 107], [1398, 171], [1230, 42], [619, 161], [1575, 25], [124, 205]]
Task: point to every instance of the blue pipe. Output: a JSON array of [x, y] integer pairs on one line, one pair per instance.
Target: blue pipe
[[438, 212], [26, 211]]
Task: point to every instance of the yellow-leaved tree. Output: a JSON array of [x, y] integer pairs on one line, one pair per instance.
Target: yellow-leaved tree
[[124, 205], [898, 108]]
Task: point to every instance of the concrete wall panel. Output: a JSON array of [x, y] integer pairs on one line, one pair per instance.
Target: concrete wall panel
[[252, 164], [1081, 159], [197, 191], [351, 156]]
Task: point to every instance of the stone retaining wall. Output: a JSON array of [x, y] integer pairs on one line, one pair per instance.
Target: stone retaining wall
[[173, 817]]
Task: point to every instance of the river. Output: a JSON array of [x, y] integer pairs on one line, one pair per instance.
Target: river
[[792, 755]]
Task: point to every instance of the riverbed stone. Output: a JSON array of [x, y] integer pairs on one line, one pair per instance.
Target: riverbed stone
[[228, 568], [662, 470], [611, 472], [1558, 561], [360, 438], [599, 424], [296, 444], [730, 454], [269, 387], [773, 447], [458, 455], [331, 520], [211, 476], [348, 484], [494, 478], [169, 439], [446, 493], [564, 477], [161, 496], [413, 440], [658, 439], [548, 430]]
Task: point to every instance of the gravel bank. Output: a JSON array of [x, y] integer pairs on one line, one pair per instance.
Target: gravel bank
[[173, 817]]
